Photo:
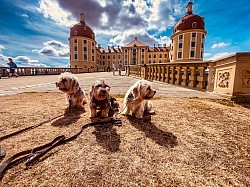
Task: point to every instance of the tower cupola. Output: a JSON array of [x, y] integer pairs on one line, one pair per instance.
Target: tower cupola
[[189, 9]]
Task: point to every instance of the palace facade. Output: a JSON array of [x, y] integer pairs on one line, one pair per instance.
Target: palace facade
[[187, 44]]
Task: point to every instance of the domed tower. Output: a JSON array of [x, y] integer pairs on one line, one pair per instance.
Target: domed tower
[[82, 45], [187, 41]]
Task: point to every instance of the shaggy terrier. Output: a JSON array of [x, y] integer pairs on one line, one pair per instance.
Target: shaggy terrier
[[69, 84], [100, 100], [136, 99]]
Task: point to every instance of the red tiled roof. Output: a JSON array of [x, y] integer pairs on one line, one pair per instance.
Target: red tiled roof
[[185, 23], [82, 29]]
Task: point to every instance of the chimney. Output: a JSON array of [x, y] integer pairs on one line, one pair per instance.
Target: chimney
[[189, 8], [154, 45], [135, 38], [99, 46], [82, 18]]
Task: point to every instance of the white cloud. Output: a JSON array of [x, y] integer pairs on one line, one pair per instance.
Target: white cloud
[[54, 49], [1, 48], [219, 56], [24, 15], [207, 55], [25, 60], [220, 45], [51, 9], [3, 60], [22, 61]]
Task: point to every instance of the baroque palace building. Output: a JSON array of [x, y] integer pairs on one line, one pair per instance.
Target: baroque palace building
[[187, 45]]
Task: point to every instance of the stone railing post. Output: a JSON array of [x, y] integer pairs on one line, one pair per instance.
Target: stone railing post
[[184, 81], [128, 70], [201, 78], [163, 74], [144, 70], [149, 72], [211, 77], [167, 74], [178, 75], [232, 77], [172, 75], [192, 77], [154, 73]]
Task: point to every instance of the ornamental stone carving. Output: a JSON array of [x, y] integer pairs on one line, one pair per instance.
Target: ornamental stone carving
[[224, 80], [246, 78]]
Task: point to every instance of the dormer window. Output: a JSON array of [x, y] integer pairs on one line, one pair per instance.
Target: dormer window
[[194, 24]]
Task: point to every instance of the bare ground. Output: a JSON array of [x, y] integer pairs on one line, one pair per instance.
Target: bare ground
[[189, 142]]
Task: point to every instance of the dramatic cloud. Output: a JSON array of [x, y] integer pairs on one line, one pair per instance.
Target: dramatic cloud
[[54, 49], [117, 18], [220, 45], [51, 9]]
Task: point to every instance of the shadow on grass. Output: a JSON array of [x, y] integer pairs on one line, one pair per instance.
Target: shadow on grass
[[71, 116], [107, 137], [166, 139]]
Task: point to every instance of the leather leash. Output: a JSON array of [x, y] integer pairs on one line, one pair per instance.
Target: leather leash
[[37, 152]]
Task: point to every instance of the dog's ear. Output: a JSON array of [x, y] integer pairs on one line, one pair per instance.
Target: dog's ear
[[75, 85], [136, 92]]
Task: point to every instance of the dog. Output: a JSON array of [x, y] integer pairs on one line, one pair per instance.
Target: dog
[[69, 84], [136, 99], [100, 100]]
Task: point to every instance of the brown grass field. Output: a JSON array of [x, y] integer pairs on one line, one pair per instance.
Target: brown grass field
[[188, 142]]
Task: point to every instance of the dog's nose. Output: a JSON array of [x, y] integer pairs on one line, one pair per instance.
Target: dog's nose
[[56, 83], [154, 91], [103, 91]]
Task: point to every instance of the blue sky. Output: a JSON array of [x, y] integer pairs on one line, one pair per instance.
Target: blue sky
[[35, 32]]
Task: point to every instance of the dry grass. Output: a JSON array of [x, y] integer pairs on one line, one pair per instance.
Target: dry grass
[[188, 142]]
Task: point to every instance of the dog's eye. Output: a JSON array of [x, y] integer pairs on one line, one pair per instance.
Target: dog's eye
[[99, 85], [149, 88], [64, 80]]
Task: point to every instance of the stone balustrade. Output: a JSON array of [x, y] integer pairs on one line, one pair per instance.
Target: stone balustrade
[[27, 71], [186, 74], [228, 76]]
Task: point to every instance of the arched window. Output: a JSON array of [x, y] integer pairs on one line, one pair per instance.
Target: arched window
[[194, 24], [75, 32]]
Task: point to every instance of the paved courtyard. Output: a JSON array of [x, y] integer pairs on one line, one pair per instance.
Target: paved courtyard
[[119, 85]]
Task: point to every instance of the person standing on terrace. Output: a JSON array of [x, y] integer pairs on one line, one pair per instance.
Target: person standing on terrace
[[13, 67]]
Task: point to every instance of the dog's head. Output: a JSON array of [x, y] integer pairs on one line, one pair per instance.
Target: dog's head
[[100, 90], [142, 90], [67, 83]]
